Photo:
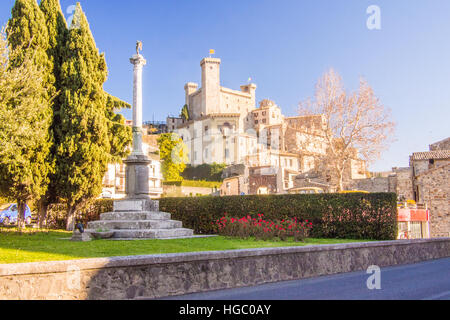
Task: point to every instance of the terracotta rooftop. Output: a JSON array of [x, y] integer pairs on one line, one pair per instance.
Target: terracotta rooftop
[[440, 154]]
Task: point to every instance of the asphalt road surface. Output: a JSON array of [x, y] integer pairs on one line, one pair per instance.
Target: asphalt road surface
[[422, 281]]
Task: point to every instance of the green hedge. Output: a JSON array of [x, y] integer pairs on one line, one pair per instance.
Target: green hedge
[[351, 216]]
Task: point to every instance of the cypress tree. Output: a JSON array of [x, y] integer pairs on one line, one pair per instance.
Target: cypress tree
[[57, 35], [28, 37], [25, 169], [84, 150]]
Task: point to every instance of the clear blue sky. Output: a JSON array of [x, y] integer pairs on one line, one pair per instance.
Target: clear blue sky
[[285, 46]]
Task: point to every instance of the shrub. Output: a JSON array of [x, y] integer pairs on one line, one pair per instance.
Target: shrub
[[355, 216], [262, 229]]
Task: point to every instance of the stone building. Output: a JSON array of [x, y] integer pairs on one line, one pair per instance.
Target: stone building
[[220, 129], [227, 126], [426, 181], [433, 189], [431, 185]]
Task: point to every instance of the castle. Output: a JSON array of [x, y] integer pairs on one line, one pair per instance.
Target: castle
[[227, 126]]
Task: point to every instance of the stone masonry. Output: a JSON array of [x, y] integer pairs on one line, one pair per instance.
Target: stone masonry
[[434, 190], [165, 275]]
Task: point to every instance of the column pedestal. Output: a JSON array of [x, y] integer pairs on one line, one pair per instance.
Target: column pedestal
[[137, 177]]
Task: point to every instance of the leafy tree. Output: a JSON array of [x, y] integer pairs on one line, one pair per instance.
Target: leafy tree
[[24, 121], [28, 42], [173, 153], [84, 150], [185, 113]]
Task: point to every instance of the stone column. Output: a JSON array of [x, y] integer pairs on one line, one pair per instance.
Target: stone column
[[139, 62], [137, 172]]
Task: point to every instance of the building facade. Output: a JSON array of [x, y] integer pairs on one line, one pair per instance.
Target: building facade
[[228, 126]]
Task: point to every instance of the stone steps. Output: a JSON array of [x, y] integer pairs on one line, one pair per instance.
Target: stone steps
[[153, 233], [139, 219], [132, 215], [134, 224]]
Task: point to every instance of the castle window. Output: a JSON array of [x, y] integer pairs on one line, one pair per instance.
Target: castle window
[[256, 121], [206, 130]]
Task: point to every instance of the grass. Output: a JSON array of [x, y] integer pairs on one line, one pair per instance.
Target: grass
[[34, 246]]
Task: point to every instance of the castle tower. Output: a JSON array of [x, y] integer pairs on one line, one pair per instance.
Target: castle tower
[[250, 89], [189, 89], [210, 85]]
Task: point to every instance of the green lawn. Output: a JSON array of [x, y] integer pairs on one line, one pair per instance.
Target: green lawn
[[54, 246]]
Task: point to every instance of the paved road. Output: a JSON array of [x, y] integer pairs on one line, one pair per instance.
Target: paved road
[[423, 281]]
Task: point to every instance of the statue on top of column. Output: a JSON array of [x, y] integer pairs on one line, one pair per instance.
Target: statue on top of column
[[138, 47]]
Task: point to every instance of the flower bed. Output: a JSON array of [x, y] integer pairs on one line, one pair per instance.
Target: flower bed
[[262, 229]]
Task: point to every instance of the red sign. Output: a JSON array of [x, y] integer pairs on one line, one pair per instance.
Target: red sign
[[413, 215]]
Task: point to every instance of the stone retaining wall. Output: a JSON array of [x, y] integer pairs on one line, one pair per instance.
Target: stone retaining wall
[[176, 274]]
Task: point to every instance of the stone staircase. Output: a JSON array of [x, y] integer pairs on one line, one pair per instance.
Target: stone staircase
[[139, 219]]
